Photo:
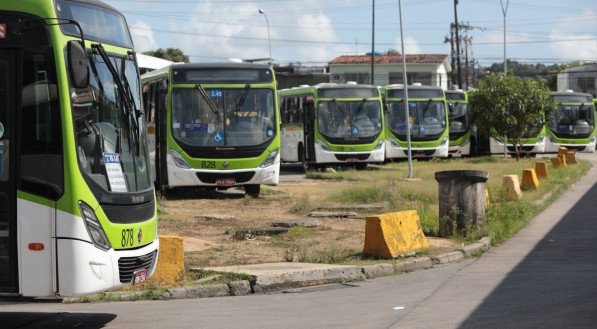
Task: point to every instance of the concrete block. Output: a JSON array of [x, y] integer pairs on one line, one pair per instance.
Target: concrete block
[[486, 241], [410, 265], [511, 187], [333, 214], [571, 157], [245, 233], [556, 162], [378, 270], [240, 288], [562, 158], [170, 266], [541, 169], [214, 290], [562, 150], [451, 257], [529, 180], [394, 234], [473, 248]]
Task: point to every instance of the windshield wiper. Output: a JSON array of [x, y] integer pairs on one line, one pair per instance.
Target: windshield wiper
[[130, 106], [208, 100], [242, 98]]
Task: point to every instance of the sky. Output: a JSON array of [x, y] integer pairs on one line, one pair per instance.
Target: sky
[[314, 32]]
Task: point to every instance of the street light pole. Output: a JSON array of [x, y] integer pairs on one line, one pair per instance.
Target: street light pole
[[406, 108], [269, 39], [373, 43], [504, 11]]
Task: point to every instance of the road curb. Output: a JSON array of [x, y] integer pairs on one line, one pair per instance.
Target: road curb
[[262, 284]]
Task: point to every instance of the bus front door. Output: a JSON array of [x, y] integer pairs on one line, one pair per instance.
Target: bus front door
[[8, 237], [309, 131]]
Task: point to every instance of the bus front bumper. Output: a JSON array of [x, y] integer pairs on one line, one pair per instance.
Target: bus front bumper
[[394, 151], [86, 269], [497, 147], [326, 156]]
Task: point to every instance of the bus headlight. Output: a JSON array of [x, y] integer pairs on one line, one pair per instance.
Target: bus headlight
[[271, 158], [445, 142], [323, 146], [94, 228], [379, 146], [178, 160]]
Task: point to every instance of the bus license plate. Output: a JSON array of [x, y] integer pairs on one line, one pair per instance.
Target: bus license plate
[[139, 276], [419, 155], [352, 159], [225, 181]]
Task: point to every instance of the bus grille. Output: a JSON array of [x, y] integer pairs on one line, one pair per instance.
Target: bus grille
[[359, 156], [239, 177], [128, 265]]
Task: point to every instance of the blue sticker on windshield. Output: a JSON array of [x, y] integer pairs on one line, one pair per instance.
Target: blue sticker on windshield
[[218, 137], [422, 129], [215, 93], [355, 130], [270, 133]]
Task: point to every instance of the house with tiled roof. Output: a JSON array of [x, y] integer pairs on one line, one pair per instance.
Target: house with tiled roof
[[427, 69]]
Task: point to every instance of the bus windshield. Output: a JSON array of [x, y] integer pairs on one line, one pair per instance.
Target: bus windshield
[[457, 115], [228, 118], [427, 118], [354, 119], [573, 120], [110, 150]]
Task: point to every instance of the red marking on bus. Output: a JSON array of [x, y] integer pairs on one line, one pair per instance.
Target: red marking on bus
[[2, 30], [36, 246]]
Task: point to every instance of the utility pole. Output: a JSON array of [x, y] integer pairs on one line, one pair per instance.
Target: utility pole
[[406, 110], [504, 11], [373, 43], [457, 44]]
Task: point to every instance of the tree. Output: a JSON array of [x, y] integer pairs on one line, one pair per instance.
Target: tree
[[171, 54], [506, 105], [392, 51]]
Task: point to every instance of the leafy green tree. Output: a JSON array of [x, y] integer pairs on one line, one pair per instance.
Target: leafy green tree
[[171, 54], [511, 106], [392, 51]]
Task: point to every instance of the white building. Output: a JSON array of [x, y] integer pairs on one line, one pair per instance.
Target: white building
[[427, 69], [581, 79], [150, 63]]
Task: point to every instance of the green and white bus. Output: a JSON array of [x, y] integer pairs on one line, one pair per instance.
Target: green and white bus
[[532, 145], [428, 122], [77, 206], [214, 125], [332, 124], [573, 124], [462, 140]]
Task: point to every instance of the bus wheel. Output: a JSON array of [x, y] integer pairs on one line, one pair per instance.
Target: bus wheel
[[360, 166], [253, 190]]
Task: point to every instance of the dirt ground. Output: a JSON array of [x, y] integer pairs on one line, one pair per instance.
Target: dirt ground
[[210, 242]]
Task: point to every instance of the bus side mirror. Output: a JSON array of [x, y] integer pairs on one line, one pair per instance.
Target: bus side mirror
[[77, 64]]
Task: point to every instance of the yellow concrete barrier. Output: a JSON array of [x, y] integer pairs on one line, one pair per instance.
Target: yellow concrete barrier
[[170, 267], [511, 187], [562, 150], [541, 169], [571, 157], [562, 158], [529, 180], [394, 234], [556, 162]]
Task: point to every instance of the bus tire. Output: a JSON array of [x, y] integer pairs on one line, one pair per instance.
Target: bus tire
[[253, 190]]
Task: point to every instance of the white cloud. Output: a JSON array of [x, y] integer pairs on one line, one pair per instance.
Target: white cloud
[[143, 37], [578, 45], [242, 33]]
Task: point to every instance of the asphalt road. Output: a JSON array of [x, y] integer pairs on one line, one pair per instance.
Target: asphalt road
[[544, 277]]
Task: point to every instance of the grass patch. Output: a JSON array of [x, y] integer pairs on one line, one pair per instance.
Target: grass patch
[[367, 194], [149, 292], [302, 206], [337, 176]]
